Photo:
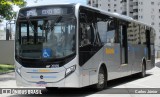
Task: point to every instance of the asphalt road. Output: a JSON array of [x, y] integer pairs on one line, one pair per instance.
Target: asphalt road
[[124, 85]]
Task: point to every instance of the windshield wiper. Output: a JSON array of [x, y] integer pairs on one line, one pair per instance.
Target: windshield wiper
[[31, 25], [56, 20], [29, 21]]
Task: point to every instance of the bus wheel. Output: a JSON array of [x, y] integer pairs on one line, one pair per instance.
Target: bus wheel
[[51, 88], [102, 80], [143, 72]]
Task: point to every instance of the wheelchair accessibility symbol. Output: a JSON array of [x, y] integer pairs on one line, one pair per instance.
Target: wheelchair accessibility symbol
[[47, 53]]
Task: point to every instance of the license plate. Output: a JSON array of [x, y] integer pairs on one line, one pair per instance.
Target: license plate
[[41, 84]]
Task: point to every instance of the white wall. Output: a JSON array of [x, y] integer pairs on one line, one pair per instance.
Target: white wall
[[6, 52]]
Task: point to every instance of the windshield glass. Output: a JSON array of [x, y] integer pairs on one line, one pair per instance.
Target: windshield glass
[[50, 37]]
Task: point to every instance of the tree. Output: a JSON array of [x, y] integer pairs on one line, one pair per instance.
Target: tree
[[6, 10]]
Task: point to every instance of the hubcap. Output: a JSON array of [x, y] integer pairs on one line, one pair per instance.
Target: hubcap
[[101, 79]]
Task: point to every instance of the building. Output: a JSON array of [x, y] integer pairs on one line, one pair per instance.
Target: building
[[93, 3], [109, 5], [147, 11]]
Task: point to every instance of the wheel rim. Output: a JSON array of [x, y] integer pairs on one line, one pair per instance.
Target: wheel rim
[[101, 79]]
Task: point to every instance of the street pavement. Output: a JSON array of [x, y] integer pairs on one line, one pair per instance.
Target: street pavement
[[152, 80]]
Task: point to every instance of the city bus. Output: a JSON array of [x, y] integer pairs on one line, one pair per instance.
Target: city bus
[[74, 46]]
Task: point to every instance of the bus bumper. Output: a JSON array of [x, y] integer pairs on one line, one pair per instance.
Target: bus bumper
[[69, 81]]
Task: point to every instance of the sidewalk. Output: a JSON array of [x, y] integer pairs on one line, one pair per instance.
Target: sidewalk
[[157, 60]]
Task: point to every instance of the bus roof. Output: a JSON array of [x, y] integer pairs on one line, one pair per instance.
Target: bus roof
[[60, 4]]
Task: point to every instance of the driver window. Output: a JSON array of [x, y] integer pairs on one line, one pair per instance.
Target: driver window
[[24, 33], [85, 34], [86, 30]]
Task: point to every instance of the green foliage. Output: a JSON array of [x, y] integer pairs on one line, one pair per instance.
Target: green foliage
[[6, 10], [6, 68]]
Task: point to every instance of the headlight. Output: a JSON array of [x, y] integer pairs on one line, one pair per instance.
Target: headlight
[[18, 70], [70, 70]]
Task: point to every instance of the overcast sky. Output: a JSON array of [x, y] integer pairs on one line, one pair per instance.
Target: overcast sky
[[44, 2], [47, 2]]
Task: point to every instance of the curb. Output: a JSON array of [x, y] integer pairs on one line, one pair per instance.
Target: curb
[[6, 72]]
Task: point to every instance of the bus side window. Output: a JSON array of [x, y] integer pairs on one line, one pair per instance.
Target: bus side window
[[111, 32]]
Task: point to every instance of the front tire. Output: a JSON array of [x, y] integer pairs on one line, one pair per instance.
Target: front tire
[[102, 80]]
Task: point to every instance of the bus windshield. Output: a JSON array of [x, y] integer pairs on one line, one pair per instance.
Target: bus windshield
[[48, 37]]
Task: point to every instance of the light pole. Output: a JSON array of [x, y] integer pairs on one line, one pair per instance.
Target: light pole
[[8, 32]]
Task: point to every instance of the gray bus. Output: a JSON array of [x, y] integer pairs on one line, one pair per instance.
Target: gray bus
[[73, 45]]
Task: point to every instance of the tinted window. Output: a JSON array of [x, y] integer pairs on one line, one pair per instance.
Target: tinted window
[[133, 33], [107, 29]]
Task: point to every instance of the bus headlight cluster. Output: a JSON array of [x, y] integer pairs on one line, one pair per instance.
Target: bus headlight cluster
[[70, 70], [18, 70]]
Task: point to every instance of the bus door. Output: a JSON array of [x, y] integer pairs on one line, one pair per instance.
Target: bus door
[[148, 44], [124, 68], [124, 45]]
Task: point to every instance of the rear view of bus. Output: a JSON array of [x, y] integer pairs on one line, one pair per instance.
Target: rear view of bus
[[45, 47]]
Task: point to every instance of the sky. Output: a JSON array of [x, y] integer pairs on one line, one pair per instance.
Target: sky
[[43, 2], [47, 2]]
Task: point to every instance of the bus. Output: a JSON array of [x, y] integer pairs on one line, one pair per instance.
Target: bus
[[74, 45]]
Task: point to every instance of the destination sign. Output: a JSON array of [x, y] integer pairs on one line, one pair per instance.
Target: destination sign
[[52, 11]]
